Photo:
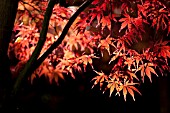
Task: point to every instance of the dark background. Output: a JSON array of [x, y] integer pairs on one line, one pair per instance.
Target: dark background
[[76, 95]]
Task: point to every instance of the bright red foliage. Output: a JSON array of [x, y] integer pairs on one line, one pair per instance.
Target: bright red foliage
[[134, 33]]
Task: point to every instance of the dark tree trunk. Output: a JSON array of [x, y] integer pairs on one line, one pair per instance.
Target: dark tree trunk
[[8, 9]]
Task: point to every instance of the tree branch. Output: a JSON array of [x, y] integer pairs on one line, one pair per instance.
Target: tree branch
[[26, 71], [62, 36], [33, 63]]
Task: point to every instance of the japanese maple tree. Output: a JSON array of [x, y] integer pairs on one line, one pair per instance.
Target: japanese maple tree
[[131, 36]]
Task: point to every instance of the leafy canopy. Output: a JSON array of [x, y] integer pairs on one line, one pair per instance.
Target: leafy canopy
[[128, 37]]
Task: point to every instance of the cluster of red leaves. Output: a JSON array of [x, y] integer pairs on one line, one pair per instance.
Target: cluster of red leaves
[[131, 64], [92, 30]]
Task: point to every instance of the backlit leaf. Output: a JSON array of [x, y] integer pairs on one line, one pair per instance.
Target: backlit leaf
[[124, 93]]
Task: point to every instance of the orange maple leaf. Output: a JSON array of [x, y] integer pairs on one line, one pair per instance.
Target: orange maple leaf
[[126, 22], [147, 69]]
